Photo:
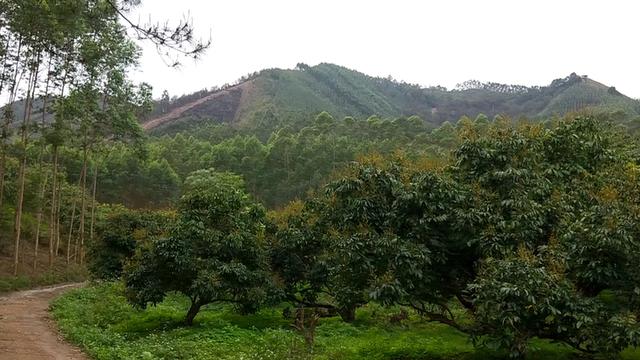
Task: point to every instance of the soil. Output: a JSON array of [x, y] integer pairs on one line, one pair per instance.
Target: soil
[[223, 107], [26, 329]]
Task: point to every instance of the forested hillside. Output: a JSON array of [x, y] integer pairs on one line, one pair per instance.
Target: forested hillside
[[272, 97]]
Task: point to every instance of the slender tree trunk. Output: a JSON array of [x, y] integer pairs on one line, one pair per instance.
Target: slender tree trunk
[[18, 219], [40, 170], [46, 93], [4, 64], [39, 220], [23, 165], [93, 203], [59, 207], [40, 166], [3, 158], [14, 81], [57, 216], [83, 205], [52, 212], [73, 214]]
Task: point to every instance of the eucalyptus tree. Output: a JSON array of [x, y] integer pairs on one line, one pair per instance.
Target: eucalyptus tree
[[55, 137], [70, 25], [34, 25], [82, 47], [44, 141], [33, 31]]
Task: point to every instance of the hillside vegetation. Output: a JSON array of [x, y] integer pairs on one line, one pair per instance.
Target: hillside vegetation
[[272, 97]]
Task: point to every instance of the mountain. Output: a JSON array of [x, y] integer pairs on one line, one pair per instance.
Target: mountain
[[343, 92]]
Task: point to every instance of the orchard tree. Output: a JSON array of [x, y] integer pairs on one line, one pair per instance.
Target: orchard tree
[[533, 229], [558, 242], [298, 254], [383, 232], [215, 252]]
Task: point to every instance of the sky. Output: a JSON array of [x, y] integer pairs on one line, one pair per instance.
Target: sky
[[422, 42]]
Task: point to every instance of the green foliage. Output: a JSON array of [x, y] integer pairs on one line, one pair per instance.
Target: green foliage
[[119, 233], [276, 98], [99, 319], [74, 273], [367, 227], [552, 196], [379, 233], [277, 166], [135, 178], [214, 253], [520, 297], [400, 233], [297, 256]]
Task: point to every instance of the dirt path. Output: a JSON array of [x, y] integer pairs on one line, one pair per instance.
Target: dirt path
[[26, 330]]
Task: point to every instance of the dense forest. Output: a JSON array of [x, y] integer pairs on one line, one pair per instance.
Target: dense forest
[[314, 213]]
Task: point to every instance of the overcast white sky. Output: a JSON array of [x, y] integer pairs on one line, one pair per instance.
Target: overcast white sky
[[424, 42]]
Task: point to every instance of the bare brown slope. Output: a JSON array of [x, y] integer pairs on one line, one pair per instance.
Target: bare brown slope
[[27, 332], [223, 106]]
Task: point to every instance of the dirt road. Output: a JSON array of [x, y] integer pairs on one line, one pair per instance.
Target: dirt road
[[26, 330]]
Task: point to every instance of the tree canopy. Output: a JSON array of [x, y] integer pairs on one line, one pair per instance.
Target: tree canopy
[[214, 253], [526, 228]]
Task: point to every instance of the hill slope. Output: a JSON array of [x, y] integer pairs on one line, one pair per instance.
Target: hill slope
[[345, 92]]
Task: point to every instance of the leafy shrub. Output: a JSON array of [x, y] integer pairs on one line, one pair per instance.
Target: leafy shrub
[[215, 253], [118, 235]]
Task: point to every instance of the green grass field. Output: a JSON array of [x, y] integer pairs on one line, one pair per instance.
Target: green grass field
[[98, 319]]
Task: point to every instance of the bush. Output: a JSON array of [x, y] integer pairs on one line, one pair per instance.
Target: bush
[[215, 253], [118, 235]]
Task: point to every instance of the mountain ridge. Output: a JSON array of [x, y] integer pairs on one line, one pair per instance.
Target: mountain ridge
[[345, 92]]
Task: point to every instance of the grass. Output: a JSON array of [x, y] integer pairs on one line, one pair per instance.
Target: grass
[[10, 283], [98, 319], [43, 275]]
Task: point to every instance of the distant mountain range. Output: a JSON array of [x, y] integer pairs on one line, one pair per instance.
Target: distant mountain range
[[308, 90]]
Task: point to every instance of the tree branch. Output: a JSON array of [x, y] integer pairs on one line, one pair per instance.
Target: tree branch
[[436, 317], [166, 37], [294, 299]]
